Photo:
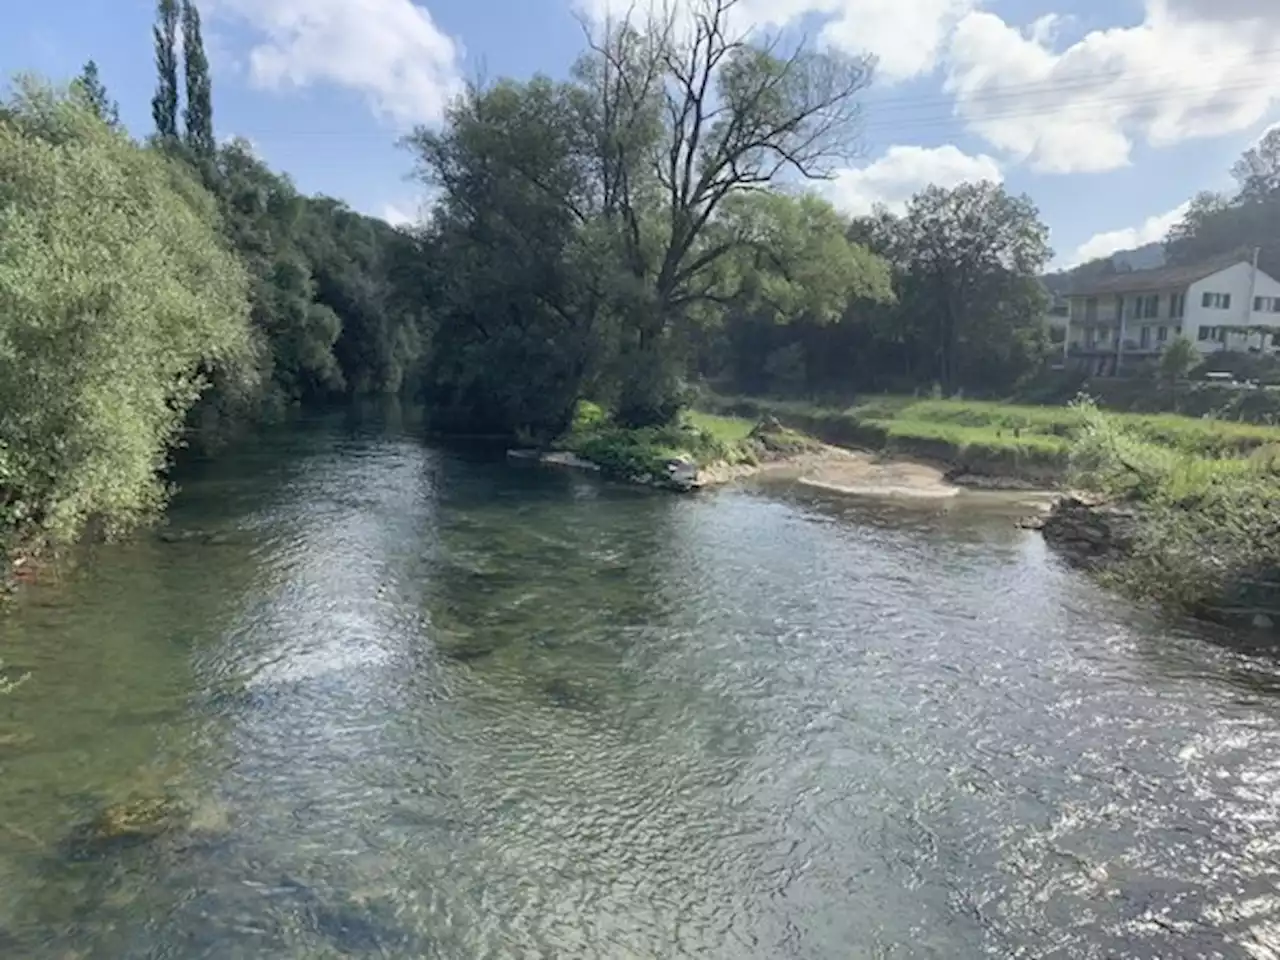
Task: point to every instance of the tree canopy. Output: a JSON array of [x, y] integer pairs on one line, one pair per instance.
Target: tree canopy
[[117, 295]]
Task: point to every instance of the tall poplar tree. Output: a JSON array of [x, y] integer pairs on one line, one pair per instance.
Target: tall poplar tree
[[199, 110], [164, 105]]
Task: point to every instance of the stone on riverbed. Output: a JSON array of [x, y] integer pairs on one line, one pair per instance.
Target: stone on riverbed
[[127, 823]]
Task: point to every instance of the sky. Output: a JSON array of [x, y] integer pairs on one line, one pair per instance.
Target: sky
[[1109, 114]]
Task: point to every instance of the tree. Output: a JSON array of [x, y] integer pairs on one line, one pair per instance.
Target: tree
[[683, 115], [794, 270], [967, 262], [1179, 358], [263, 216], [199, 111], [164, 105], [1258, 169], [117, 296], [89, 88], [1218, 226], [516, 296]]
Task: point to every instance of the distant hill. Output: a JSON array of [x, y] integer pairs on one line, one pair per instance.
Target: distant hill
[[1147, 257]]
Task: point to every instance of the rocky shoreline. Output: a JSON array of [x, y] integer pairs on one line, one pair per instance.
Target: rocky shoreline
[[1090, 533]]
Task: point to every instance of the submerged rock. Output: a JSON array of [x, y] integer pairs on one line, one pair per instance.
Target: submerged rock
[[129, 822], [209, 537], [570, 694], [465, 647]]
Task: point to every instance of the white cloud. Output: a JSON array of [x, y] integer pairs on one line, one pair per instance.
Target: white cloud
[[906, 36], [902, 172], [1154, 228], [389, 50], [1192, 68], [396, 217]]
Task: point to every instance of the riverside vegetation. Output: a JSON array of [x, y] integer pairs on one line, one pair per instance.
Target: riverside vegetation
[[610, 237], [1182, 511]]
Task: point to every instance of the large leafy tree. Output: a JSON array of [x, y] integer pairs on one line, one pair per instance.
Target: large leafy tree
[[117, 296], [516, 295], [967, 261], [683, 113]]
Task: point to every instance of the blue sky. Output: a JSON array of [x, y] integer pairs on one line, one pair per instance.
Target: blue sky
[[1109, 113]]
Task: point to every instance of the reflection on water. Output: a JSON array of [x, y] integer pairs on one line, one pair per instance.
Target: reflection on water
[[417, 703]]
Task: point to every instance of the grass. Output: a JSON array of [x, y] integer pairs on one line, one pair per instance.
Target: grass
[[1207, 527], [987, 437], [703, 438], [726, 429], [642, 454]]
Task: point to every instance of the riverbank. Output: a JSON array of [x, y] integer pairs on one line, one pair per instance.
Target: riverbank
[[706, 450], [1181, 512], [982, 443]]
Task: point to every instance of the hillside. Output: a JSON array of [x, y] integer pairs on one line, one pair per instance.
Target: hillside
[[1146, 257]]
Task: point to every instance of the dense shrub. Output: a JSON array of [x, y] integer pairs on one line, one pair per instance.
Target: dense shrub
[[1208, 528], [116, 297]]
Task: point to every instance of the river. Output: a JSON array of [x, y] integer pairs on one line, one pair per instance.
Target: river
[[426, 703]]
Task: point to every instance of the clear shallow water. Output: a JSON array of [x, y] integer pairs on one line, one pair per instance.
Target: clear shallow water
[[429, 704]]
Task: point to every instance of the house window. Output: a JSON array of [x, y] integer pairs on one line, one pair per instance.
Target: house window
[[1144, 338], [1204, 333], [1162, 334], [1150, 307], [1177, 305], [1266, 304], [1216, 301]]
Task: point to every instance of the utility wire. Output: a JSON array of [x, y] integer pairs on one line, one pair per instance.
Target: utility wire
[[1100, 80], [962, 111]]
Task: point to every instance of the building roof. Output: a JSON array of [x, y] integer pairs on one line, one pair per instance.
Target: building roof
[[1139, 281]]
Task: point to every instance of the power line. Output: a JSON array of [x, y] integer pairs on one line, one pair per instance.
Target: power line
[[1102, 81], [957, 113]]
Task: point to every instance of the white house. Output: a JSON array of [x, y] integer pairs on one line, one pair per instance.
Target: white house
[[1219, 305]]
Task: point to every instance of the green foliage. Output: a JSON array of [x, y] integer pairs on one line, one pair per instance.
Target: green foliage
[[1008, 437], [1216, 225], [89, 89], [727, 430], [164, 105], [1207, 527], [587, 416], [117, 296], [643, 452], [1179, 358], [516, 299], [199, 111]]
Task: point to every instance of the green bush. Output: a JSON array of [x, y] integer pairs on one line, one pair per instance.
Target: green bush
[[116, 296], [1208, 528]]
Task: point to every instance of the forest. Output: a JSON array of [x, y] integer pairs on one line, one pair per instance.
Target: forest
[[646, 224]]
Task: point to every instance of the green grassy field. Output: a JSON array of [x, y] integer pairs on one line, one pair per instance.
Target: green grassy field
[[726, 429], [991, 437]]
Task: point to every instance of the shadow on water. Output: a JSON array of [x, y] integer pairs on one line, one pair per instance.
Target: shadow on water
[[417, 701]]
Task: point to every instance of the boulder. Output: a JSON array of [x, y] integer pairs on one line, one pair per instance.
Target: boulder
[[1090, 534], [682, 473]]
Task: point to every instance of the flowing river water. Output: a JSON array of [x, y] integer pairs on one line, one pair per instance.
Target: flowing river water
[[426, 703]]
